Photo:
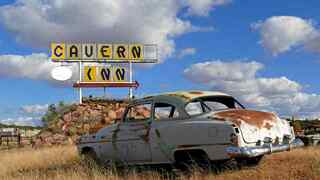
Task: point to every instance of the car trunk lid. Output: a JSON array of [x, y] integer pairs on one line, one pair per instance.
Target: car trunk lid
[[255, 125]]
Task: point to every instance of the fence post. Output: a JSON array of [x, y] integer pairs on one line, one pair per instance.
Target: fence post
[[19, 139]]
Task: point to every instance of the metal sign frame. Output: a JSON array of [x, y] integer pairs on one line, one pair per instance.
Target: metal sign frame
[[64, 53], [131, 84]]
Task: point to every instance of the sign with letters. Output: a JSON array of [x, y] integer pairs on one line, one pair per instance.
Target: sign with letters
[[105, 74], [136, 52], [71, 52], [92, 76], [121, 52], [58, 51], [120, 74], [104, 51], [89, 51]]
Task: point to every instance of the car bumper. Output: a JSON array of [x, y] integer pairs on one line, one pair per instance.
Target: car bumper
[[248, 152]]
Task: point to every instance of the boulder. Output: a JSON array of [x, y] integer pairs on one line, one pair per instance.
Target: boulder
[[112, 114]]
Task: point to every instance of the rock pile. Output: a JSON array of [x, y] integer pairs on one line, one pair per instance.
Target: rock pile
[[82, 119]]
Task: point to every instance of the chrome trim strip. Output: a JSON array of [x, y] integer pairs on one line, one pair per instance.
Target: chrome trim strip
[[247, 152]]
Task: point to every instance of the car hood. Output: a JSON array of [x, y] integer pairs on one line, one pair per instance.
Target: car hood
[[255, 125]]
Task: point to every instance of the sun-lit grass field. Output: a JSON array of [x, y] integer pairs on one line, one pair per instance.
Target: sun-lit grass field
[[63, 163]]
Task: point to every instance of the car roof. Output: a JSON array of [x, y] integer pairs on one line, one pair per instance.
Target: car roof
[[184, 96]]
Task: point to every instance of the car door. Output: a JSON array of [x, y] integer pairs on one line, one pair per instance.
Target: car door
[[132, 137], [164, 133]]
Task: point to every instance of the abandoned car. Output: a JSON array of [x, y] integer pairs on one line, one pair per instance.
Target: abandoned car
[[177, 127]]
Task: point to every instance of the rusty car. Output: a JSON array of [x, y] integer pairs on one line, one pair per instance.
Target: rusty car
[[188, 126]]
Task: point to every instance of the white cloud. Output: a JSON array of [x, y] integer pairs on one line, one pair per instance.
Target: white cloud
[[35, 109], [203, 7], [39, 22], [282, 33], [314, 44], [240, 80], [217, 70], [34, 66], [22, 121], [186, 52]]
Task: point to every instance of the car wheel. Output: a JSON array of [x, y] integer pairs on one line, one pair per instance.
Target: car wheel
[[90, 158], [188, 161], [228, 165]]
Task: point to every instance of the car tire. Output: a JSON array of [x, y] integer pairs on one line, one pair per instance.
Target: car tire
[[193, 160], [90, 158]]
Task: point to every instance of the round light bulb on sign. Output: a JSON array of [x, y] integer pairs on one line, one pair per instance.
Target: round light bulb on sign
[[61, 73]]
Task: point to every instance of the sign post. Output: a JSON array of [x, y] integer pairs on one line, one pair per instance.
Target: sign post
[[106, 53], [130, 76], [80, 79]]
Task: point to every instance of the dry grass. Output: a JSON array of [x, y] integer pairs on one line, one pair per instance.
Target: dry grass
[[63, 163], [297, 164]]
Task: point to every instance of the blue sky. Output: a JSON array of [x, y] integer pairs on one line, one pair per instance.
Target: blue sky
[[225, 37]]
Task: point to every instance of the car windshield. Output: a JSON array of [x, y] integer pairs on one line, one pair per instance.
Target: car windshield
[[212, 103]]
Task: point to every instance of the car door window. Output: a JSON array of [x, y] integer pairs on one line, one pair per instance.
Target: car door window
[[140, 112], [196, 107], [165, 111], [215, 105]]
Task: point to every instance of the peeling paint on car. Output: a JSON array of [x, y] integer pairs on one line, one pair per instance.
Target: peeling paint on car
[[183, 96], [142, 127], [190, 95], [255, 125], [254, 118], [165, 148], [158, 133], [187, 96], [114, 137], [196, 92], [268, 126], [146, 137]]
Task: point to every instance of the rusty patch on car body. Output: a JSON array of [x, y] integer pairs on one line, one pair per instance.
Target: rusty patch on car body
[[254, 118], [141, 127], [196, 92], [189, 95], [183, 96], [268, 126], [115, 137]]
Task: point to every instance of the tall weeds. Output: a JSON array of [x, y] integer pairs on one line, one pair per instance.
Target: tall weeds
[[63, 163]]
